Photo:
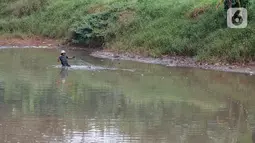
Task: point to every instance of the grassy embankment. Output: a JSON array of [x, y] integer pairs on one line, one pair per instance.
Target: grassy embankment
[[189, 28]]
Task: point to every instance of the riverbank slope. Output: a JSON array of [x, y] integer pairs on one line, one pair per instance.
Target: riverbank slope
[[146, 27]]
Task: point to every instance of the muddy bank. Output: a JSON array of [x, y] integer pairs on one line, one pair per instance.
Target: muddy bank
[[38, 42], [28, 41], [177, 62]]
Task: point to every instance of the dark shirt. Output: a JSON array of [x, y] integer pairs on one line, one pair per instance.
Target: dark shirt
[[64, 60]]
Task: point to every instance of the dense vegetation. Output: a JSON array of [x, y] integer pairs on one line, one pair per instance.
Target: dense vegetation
[[190, 28]]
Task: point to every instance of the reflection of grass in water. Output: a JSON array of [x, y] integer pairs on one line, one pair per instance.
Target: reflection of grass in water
[[201, 87], [197, 87], [150, 88], [216, 84], [154, 101]]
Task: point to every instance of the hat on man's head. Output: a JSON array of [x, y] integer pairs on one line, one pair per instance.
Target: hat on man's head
[[63, 51]]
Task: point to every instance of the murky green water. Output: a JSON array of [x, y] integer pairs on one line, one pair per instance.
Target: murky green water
[[153, 104]]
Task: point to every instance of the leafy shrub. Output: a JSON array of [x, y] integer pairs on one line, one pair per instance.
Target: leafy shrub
[[93, 30]]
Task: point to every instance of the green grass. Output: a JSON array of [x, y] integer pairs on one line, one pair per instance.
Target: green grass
[[145, 26]]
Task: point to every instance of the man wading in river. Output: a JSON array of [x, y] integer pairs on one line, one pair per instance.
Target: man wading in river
[[63, 59]]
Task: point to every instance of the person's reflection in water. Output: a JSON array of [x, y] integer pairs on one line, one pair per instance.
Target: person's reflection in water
[[253, 136], [63, 75], [2, 92]]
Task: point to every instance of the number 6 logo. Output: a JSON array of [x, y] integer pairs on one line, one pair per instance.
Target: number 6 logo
[[237, 18]]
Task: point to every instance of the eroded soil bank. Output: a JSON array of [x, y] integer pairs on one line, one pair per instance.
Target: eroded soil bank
[[177, 62], [28, 41]]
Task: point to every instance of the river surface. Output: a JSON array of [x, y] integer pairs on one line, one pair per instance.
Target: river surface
[[99, 100]]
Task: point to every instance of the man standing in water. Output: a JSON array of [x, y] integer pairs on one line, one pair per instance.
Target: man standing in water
[[63, 59]]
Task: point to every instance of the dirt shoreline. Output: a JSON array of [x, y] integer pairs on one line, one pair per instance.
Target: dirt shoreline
[[171, 61], [28, 41]]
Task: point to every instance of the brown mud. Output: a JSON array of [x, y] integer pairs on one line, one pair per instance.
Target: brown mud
[[172, 61], [28, 41]]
